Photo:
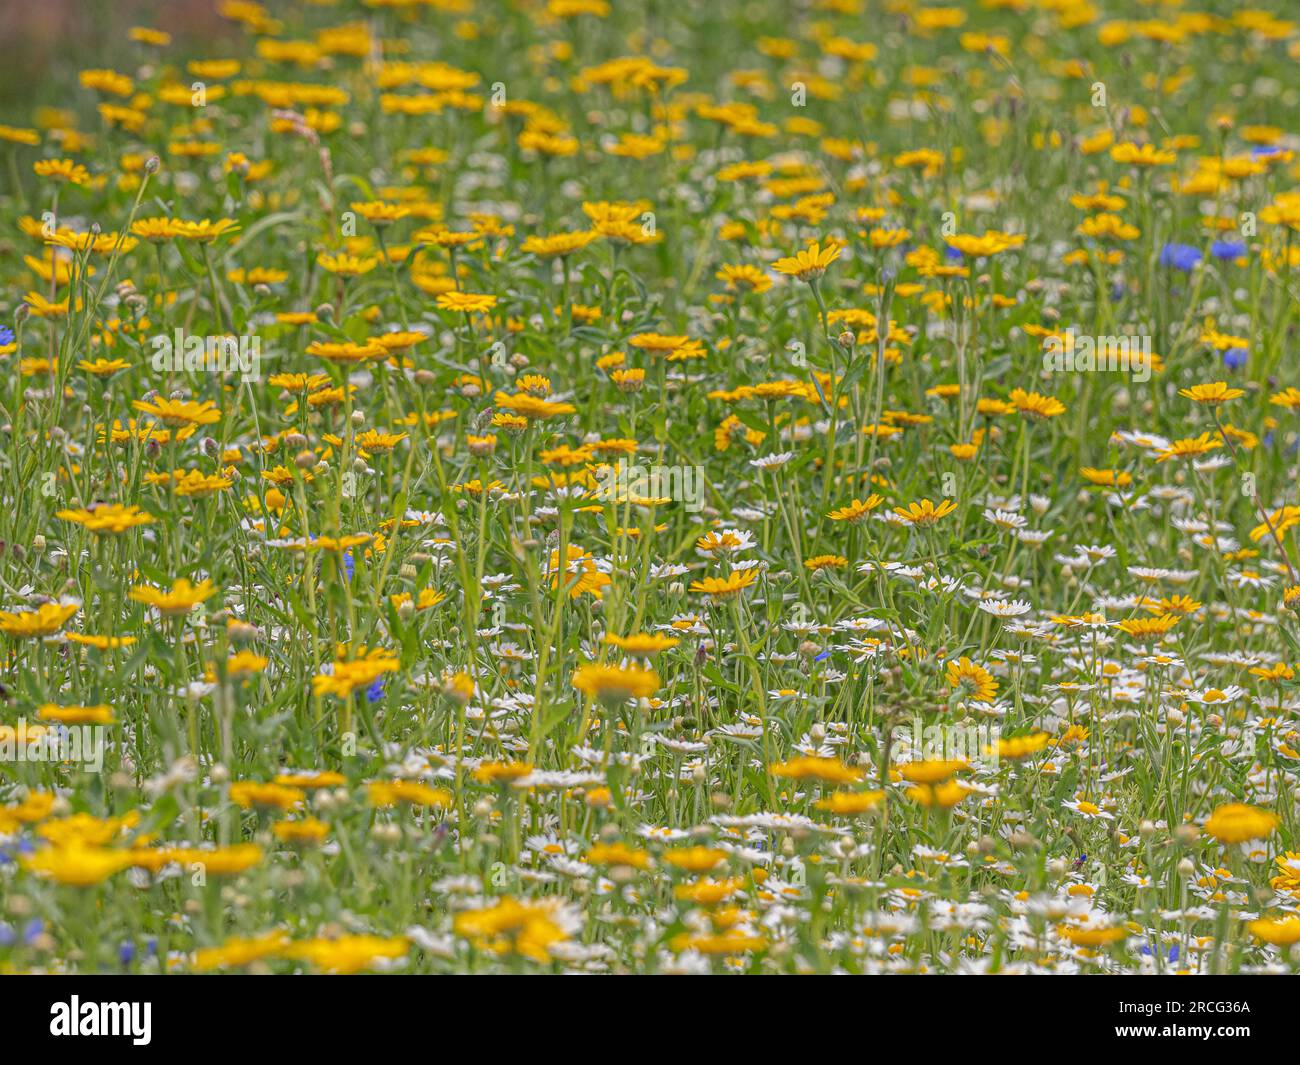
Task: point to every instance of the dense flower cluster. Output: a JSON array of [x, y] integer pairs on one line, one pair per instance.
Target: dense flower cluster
[[547, 487]]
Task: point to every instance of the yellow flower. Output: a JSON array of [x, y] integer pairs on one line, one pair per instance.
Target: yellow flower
[[732, 941], [1277, 931], [1237, 822], [101, 643], [532, 408], [245, 664], [16, 135], [1106, 478], [155, 230], [1190, 447], [45, 620], [217, 861], [109, 81], [311, 778], [618, 854], [850, 803], [348, 954], [182, 598], [194, 484], [942, 795], [204, 232], [642, 644], [991, 243], [380, 213], [466, 302], [725, 587], [1142, 155], [347, 676], [308, 830], [810, 263], [1279, 521], [1035, 405], [925, 512], [63, 170], [180, 412], [529, 929], [744, 276], [347, 351], [501, 772], [931, 772], [1147, 628], [829, 770], [238, 951], [1017, 747], [103, 367], [1212, 394], [1289, 398], [695, 859], [1093, 937], [391, 792], [77, 715], [87, 830], [558, 245], [248, 793], [76, 864], [857, 510], [973, 678], [615, 683], [343, 265]]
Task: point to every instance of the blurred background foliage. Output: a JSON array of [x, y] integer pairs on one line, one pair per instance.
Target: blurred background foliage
[[46, 40]]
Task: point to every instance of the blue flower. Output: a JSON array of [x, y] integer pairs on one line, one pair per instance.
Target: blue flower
[[1228, 250], [349, 566], [6, 335], [1234, 358], [126, 953], [1182, 257], [376, 691], [952, 253], [1146, 949]]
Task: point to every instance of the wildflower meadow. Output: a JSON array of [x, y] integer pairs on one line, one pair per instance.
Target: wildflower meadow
[[583, 486]]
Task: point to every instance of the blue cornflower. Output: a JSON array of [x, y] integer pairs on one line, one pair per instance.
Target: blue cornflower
[[1182, 257], [349, 566], [376, 691], [1228, 250], [1234, 358], [6, 335], [1146, 949]]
